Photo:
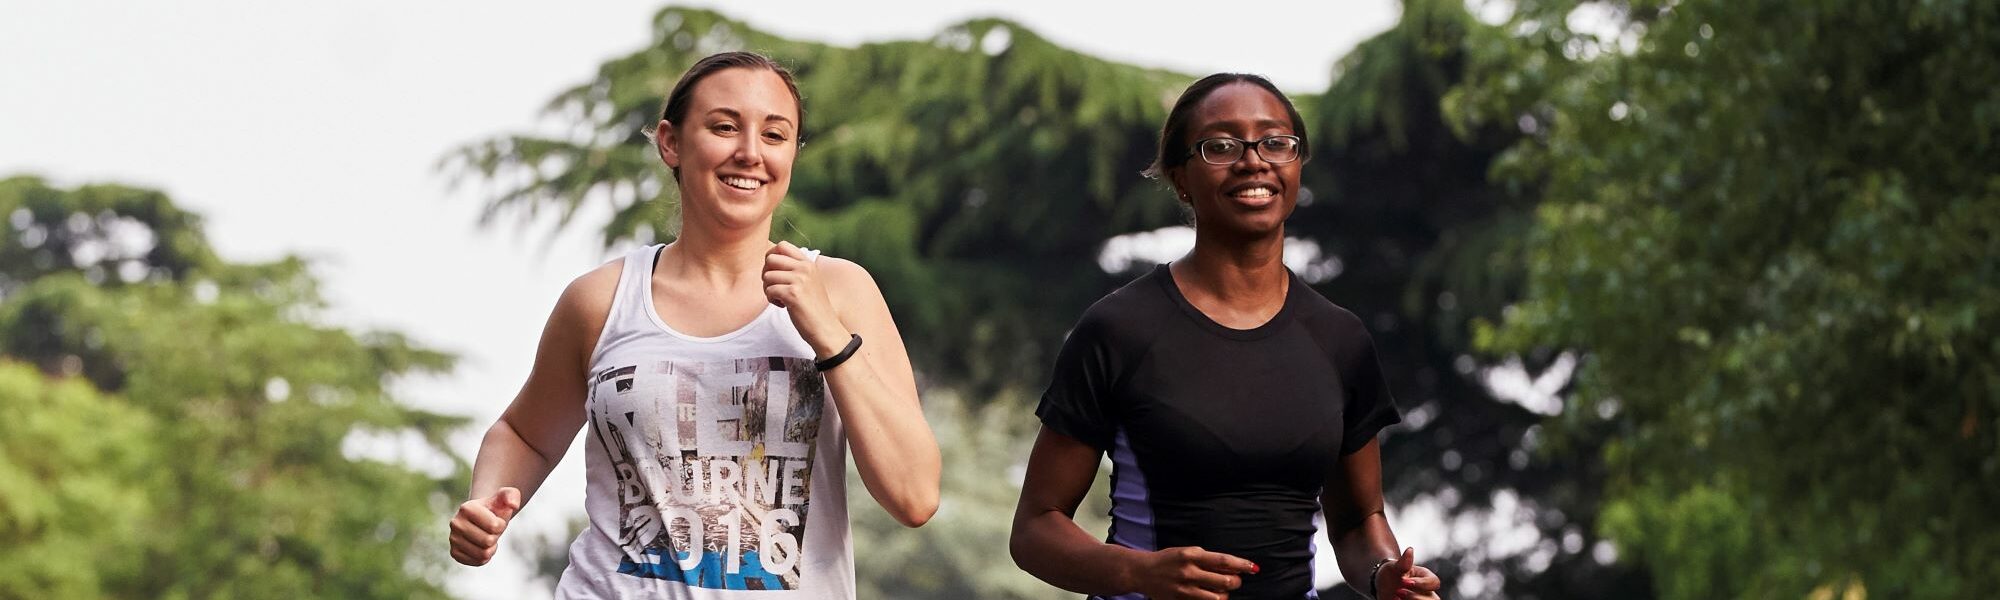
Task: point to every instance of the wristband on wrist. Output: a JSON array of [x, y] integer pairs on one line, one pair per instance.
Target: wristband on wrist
[[853, 343], [1375, 577]]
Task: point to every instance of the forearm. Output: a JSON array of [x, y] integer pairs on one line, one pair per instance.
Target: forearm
[[893, 446], [874, 389], [1050, 546], [507, 460], [1358, 546]]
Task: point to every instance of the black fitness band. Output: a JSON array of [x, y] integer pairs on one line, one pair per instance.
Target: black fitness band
[[853, 343], [1375, 577]]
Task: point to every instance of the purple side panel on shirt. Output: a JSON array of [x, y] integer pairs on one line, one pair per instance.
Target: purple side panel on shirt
[[1131, 506], [1312, 544], [1131, 502]]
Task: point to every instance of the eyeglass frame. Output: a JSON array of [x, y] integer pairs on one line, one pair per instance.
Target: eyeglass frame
[[1249, 146]]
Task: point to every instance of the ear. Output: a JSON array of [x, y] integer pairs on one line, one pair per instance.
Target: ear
[[667, 142], [1180, 190]]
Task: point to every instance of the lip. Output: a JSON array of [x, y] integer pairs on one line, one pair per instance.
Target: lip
[[722, 177], [1231, 192]]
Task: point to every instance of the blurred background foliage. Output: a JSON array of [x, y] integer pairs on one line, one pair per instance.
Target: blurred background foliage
[[979, 174], [1773, 233], [172, 425], [1745, 253]]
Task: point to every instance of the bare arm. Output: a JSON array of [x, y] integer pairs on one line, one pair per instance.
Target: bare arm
[[1047, 543], [530, 437], [1352, 501], [875, 390]]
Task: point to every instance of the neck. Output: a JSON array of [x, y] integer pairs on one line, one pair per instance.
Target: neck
[[1236, 270], [721, 259]]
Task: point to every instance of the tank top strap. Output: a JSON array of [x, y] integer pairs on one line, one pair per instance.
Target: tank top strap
[[629, 304]]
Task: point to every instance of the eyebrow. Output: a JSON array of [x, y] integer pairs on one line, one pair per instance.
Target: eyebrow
[[1258, 124], [731, 113]]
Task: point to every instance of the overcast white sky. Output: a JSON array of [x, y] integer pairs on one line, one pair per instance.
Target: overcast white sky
[[313, 127]]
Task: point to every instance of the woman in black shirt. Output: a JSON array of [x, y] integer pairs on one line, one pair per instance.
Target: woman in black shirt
[[1234, 401]]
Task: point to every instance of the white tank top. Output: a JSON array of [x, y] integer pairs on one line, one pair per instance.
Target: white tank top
[[715, 467]]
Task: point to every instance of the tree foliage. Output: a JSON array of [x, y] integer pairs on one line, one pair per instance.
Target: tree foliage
[[962, 552], [1427, 246], [68, 491], [979, 174], [1774, 231], [181, 432], [975, 173]]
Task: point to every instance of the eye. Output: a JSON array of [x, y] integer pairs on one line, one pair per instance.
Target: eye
[[775, 136], [724, 128], [1279, 144], [1219, 147]]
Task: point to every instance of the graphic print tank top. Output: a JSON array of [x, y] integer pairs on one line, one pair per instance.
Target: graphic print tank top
[[715, 467]]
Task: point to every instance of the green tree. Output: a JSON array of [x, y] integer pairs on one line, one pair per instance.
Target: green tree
[[69, 491], [962, 552], [1426, 246], [194, 413], [979, 173], [916, 163], [1774, 232]]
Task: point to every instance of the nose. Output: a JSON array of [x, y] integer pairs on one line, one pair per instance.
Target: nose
[[749, 151], [1252, 161]]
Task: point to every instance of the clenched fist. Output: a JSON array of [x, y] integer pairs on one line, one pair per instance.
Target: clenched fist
[[792, 281], [476, 529]]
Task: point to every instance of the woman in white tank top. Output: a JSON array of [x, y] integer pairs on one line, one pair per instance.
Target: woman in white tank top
[[721, 380]]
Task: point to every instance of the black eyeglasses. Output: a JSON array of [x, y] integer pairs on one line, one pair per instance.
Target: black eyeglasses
[[1276, 149]]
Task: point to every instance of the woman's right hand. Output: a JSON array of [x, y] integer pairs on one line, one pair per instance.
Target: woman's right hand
[[1189, 572], [1404, 579], [476, 529]]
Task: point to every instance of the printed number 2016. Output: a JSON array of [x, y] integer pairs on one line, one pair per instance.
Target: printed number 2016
[[776, 550]]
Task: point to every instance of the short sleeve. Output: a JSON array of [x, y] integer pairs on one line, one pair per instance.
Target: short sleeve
[[1369, 406], [1078, 401]]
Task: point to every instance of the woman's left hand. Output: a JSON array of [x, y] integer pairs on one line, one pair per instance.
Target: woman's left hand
[[1404, 579], [791, 281]]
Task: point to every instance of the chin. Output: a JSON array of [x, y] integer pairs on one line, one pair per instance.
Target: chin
[[747, 214], [1254, 224], [1265, 229]]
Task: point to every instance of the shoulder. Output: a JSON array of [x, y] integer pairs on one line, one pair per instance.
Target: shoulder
[[841, 273], [1131, 314], [1323, 314], [585, 304], [594, 287], [1337, 330], [847, 281]]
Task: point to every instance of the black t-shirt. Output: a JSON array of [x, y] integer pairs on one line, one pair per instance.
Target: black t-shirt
[[1219, 438]]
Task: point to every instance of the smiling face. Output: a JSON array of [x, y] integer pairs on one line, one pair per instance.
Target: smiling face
[[733, 148], [1251, 196]]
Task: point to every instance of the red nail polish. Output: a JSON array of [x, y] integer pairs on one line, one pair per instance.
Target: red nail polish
[[1254, 569]]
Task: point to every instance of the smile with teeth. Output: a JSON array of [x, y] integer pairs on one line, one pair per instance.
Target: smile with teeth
[[742, 183], [1255, 193]]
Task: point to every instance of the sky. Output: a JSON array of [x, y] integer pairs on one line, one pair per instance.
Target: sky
[[314, 128]]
